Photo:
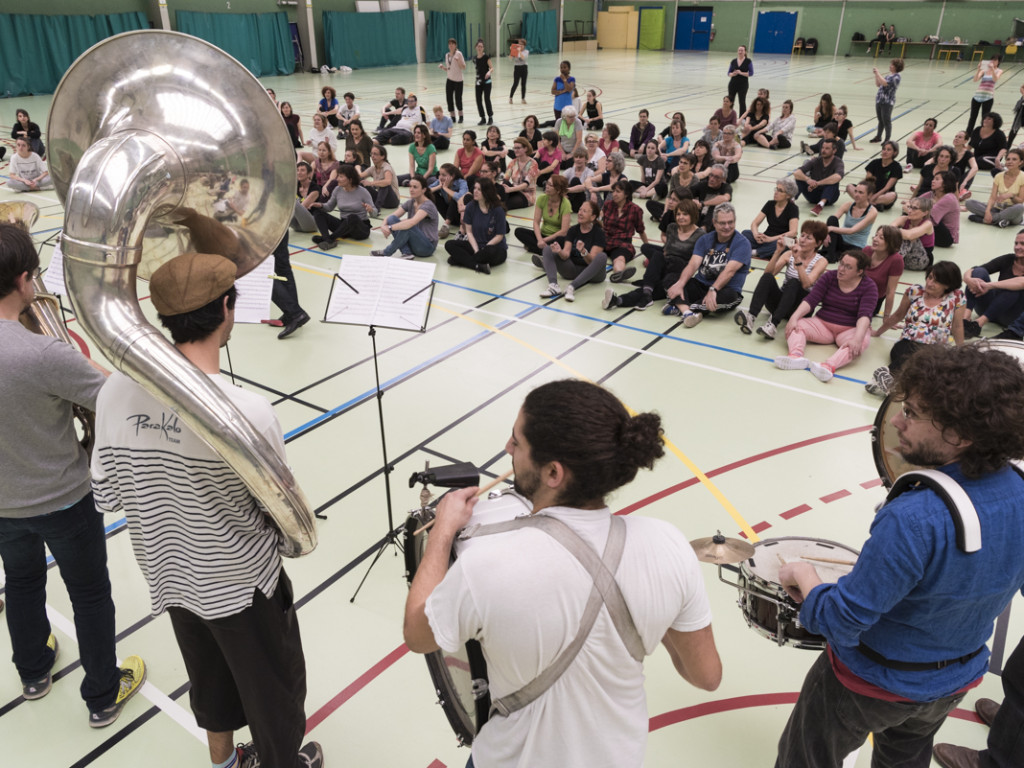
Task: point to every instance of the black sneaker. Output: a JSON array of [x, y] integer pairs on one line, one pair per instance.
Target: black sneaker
[[976, 218], [247, 756], [3, 151], [646, 302], [36, 689], [972, 329], [311, 755], [1008, 334], [318, 238]]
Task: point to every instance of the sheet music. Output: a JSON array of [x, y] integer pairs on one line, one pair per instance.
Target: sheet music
[[254, 292], [370, 290], [53, 277]]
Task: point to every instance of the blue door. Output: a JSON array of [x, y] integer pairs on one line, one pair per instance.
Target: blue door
[[776, 31], [684, 30], [693, 29]]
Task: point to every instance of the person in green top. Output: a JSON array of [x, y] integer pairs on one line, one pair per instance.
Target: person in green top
[[550, 218], [422, 157]]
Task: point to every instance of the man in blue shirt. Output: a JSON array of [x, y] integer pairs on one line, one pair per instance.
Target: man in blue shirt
[[906, 628], [713, 280]]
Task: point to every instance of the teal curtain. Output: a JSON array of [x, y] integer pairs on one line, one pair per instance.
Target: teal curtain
[[541, 31], [360, 40], [440, 28], [36, 51], [262, 42]]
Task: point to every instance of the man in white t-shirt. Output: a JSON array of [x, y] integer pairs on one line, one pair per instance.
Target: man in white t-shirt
[[401, 133], [522, 594]]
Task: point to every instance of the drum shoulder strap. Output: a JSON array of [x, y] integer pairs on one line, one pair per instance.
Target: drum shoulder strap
[[604, 592], [960, 506]]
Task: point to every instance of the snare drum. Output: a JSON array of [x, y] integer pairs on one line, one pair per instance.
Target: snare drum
[[460, 679], [884, 437], [765, 605]]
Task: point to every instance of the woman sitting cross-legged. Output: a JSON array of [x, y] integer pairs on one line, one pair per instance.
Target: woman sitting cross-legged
[[622, 219], [580, 258], [422, 157], [782, 216], [885, 266], [804, 265], [576, 175], [521, 179], [850, 228], [600, 187], [664, 264], [484, 224], [1005, 206], [652, 173], [930, 313], [450, 189], [380, 180], [354, 207], [550, 219], [847, 300], [945, 213], [778, 134], [417, 234], [918, 232]]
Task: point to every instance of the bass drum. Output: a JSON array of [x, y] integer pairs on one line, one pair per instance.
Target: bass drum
[[460, 679], [885, 439]]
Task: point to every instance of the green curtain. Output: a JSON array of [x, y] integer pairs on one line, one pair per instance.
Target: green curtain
[[36, 51], [652, 29], [262, 42], [360, 40], [440, 28], [541, 31]]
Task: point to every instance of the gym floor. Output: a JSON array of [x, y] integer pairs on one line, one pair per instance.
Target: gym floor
[[753, 450]]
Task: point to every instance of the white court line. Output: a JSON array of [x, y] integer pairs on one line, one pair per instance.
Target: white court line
[[157, 697], [690, 363]]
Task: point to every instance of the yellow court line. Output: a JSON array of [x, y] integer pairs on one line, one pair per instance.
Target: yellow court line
[[704, 480]]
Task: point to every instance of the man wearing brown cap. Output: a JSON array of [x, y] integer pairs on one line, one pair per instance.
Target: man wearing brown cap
[[208, 553]]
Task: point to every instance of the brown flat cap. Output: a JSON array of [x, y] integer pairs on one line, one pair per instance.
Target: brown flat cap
[[190, 281]]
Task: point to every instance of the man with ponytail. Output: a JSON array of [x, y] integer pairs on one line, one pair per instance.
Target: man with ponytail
[[566, 687]]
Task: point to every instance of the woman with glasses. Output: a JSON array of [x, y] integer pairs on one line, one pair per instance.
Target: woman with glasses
[[782, 216], [845, 300]]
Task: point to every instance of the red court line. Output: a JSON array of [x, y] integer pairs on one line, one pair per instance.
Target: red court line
[[746, 702], [736, 465], [836, 496], [871, 483], [437, 764], [351, 690], [795, 511]]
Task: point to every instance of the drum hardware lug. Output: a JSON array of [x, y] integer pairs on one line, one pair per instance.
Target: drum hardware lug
[[480, 687], [468, 531]]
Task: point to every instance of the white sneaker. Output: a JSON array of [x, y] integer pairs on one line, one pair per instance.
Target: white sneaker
[[768, 329], [787, 363], [570, 293], [691, 319], [609, 298], [551, 292], [821, 371], [443, 232]]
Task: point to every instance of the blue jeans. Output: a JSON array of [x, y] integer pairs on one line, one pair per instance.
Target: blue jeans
[[826, 194], [1000, 306], [76, 539], [408, 240]]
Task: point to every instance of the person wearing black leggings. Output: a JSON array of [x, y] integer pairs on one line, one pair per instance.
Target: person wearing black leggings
[[519, 71], [455, 65], [741, 69], [484, 71]]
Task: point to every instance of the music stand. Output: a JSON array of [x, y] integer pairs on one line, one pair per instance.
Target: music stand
[[385, 293]]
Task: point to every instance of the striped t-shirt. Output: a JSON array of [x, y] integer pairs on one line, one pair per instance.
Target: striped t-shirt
[[199, 536]]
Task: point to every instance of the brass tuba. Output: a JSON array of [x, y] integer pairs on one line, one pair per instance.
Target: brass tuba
[[147, 132]]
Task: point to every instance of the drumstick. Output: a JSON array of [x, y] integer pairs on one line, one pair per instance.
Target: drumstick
[[782, 560], [481, 492], [827, 560]]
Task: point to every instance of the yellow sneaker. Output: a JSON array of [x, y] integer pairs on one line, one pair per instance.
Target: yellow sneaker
[[133, 675]]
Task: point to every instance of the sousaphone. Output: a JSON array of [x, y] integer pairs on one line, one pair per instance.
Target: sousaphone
[[148, 130]]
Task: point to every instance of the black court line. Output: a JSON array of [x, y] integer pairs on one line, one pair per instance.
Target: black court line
[[282, 397]]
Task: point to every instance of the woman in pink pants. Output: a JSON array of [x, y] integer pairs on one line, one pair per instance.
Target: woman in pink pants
[[847, 302]]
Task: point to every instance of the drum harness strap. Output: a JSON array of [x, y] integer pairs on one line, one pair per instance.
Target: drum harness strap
[[604, 592], [968, 540]]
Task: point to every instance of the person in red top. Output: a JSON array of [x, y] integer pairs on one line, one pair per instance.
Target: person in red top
[[923, 145], [622, 219]]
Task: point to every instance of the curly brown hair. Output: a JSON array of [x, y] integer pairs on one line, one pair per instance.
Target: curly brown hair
[[973, 392]]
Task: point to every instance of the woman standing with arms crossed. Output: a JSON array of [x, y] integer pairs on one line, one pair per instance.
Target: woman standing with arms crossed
[[885, 98], [740, 70], [484, 71], [455, 65]]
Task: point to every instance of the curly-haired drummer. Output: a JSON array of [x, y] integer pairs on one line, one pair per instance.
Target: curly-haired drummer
[[572, 444], [907, 627]]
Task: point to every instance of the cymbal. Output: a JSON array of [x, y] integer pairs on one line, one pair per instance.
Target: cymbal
[[718, 549]]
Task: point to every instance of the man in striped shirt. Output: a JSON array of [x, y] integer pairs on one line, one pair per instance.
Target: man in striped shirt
[[208, 553]]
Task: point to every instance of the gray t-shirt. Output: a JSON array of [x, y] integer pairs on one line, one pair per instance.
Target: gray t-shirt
[[42, 466], [349, 201], [427, 225], [815, 169]]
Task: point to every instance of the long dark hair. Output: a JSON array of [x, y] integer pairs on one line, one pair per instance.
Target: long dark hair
[[489, 193]]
